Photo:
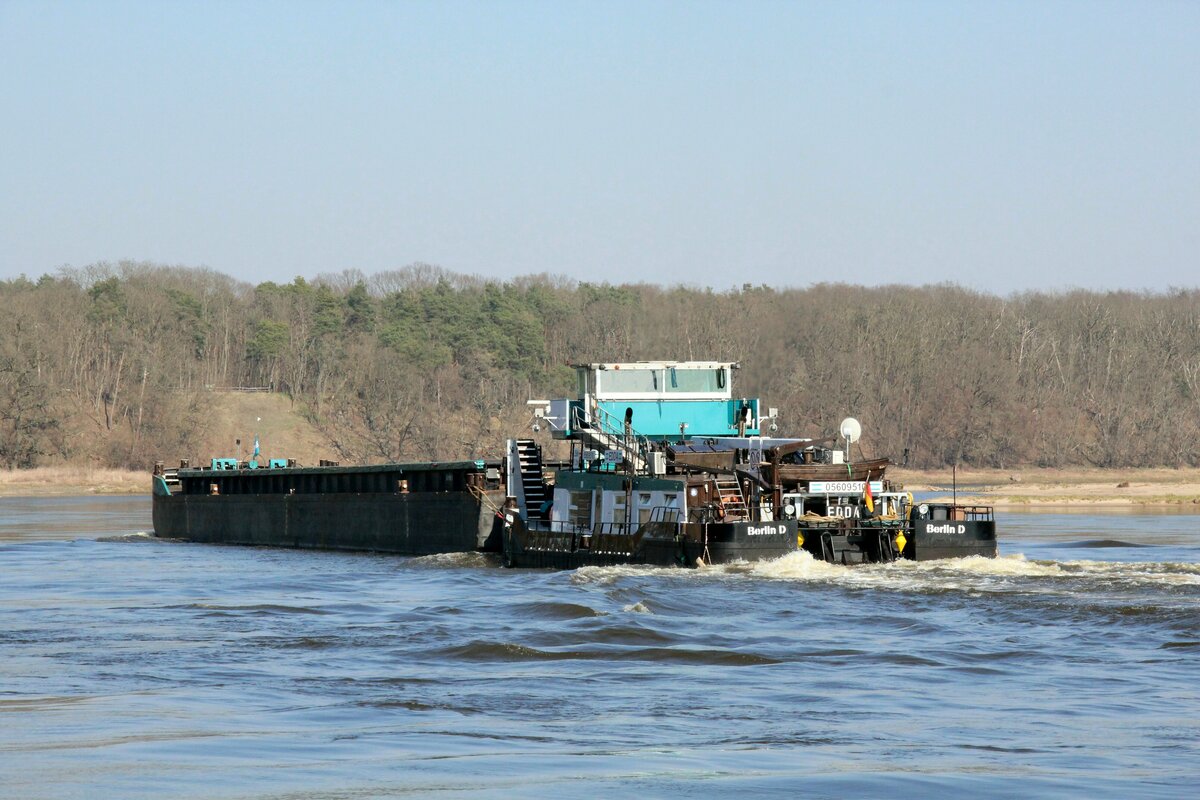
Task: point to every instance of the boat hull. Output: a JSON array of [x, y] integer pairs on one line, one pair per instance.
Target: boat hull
[[923, 540], [405, 524], [657, 543], [935, 539], [852, 544]]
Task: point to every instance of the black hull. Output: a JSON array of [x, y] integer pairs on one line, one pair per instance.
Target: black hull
[[658, 544], [935, 539], [852, 545], [924, 540], [404, 524]]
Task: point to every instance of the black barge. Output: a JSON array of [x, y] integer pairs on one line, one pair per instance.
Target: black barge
[[666, 466], [407, 509]]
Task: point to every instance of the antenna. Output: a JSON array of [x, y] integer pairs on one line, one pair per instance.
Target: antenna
[[850, 430]]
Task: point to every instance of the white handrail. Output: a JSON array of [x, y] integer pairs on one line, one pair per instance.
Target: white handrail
[[634, 446]]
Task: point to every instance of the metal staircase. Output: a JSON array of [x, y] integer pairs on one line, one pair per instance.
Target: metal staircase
[[533, 486], [732, 500], [603, 431]]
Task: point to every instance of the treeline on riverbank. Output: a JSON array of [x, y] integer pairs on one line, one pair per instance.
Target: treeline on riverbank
[[112, 364]]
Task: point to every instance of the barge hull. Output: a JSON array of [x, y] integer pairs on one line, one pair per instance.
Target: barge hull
[[404, 524]]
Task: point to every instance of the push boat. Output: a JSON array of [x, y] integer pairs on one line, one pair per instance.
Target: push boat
[[666, 467]]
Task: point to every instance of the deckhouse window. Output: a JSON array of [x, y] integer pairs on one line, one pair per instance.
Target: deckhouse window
[[619, 509], [645, 511], [670, 508], [580, 508]]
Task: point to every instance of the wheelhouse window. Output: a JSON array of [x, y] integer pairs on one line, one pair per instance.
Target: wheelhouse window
[[695, 380], [641, 381], [704, 382]]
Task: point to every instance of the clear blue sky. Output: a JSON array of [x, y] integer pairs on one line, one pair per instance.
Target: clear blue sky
[[1004, 146]]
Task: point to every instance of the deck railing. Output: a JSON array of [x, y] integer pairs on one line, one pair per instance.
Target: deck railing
[[612, 433], [603, 537]]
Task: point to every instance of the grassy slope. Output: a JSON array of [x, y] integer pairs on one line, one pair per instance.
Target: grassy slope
[[283, 433]]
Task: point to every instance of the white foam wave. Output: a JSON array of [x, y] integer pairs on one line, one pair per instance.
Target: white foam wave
[[1159, 573], [975, 574], [138, 536], [793, 566], [440, 560], [604, 576], [1008, 565]]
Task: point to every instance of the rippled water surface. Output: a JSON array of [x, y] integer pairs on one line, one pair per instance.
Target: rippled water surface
[[131, 667]]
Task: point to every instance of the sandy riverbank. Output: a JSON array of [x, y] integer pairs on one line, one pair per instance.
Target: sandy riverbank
[[1061, 487], [1000, 488], [72, 480]]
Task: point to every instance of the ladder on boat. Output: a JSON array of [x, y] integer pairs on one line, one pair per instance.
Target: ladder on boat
[[729, 490], [604, 432], [533, 485]]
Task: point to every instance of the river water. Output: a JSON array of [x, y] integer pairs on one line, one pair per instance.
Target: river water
[[132, 667]]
